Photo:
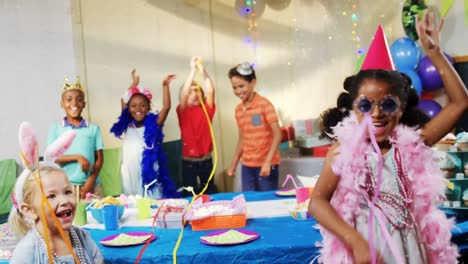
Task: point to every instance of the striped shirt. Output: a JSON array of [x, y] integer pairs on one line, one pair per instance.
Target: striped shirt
[[255, 124]]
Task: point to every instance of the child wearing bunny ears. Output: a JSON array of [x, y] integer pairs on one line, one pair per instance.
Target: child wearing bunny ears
[[44, 208], [83, 161], [259, 133], [143, 160]]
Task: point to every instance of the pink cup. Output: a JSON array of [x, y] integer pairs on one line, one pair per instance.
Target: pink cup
[[302, 194]]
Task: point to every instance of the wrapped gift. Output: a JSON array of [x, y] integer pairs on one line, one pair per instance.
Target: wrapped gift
[[171, 214]]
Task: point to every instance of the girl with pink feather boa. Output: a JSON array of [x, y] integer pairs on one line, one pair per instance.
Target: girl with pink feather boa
[[376, 199]]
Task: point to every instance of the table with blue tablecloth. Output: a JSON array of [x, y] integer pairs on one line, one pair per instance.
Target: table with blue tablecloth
[[282, 240]]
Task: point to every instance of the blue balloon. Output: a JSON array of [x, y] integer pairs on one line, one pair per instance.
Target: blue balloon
[[406, 53], [415, 80]]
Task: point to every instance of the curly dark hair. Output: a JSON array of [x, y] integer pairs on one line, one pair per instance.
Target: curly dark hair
[[332, 116]]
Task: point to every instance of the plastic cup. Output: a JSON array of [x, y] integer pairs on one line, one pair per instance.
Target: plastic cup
[[80, 214], [110, 217], [144, 208], [302, 194]]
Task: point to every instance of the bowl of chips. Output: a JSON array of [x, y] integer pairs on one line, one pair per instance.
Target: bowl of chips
[[97, 205], [300, 212]]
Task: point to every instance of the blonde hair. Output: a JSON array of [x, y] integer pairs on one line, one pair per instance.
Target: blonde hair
[[17, 220], [194, 83]]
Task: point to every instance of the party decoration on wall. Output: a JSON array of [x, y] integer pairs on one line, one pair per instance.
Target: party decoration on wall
[[411, 8], [430, 107], [447, 5], [406, 53], [278, 4], [359, 62], [430, 77], [415, 80], [250, 8]]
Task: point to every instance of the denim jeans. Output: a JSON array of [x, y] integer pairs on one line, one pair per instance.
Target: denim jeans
[[252, 181], [193, 170]]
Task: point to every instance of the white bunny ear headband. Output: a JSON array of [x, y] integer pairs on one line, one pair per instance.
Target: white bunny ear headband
[[29, 155]]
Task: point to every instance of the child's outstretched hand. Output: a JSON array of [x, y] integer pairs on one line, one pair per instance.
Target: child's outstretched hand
[[135, 78], [428, 34], [169, 78]]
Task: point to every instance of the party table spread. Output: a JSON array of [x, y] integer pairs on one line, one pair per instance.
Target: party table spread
[[282, 239]]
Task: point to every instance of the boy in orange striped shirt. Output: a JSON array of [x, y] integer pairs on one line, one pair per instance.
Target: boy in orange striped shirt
[[259, 133]]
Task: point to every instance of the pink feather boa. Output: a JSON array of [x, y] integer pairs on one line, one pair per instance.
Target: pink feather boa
[[427, 181]]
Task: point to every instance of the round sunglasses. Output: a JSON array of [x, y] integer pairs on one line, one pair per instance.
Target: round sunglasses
[[388, 105]]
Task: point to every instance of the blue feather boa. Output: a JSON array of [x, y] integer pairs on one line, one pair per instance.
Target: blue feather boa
[[154, 161]]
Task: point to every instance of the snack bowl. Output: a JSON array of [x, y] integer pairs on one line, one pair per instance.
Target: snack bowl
[[97, 213]]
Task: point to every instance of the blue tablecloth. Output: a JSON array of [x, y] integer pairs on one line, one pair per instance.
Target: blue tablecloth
[[282, 240]]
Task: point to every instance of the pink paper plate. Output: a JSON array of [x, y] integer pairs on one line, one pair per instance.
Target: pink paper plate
[[246, 232], [109, 238], [284, 192]]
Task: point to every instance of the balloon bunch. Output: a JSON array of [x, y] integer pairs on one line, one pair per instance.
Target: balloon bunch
[[408, 59]]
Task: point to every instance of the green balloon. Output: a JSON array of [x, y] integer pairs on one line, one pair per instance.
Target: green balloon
[[359, 62], [411, 8]]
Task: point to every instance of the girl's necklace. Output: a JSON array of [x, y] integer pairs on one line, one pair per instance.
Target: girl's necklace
[[397, 207], [76, 245]]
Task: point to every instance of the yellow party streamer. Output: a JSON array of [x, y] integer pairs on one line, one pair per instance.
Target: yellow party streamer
[[215, 162]]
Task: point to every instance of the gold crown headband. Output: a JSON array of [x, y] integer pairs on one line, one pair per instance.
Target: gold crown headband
[[70, 86]]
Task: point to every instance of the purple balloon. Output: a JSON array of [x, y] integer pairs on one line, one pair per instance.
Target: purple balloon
[[429, 75], [430, 107]]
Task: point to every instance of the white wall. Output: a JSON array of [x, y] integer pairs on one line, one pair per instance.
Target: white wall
[[36, 52]]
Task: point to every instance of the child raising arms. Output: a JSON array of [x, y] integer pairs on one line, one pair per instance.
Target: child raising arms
[[194, 129], [378, 200], [259, 133], [40, 226], [143, 160]]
